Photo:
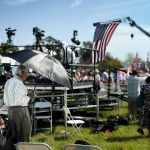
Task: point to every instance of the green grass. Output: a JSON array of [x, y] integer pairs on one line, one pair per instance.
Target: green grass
[[125, 138]]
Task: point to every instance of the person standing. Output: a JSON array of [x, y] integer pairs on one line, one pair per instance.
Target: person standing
[[16, 100], [97, 81], [145, 73], [119, 78], [70, 54], [123, 77], [105, 77], [133, 90], [115, 77], [144, 120]]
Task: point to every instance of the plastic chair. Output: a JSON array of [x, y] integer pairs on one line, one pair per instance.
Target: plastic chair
[[73, 122], [80, 147], [41, 106], [31, 146]]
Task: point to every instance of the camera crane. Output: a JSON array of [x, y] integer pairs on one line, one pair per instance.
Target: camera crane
[[133, 24]]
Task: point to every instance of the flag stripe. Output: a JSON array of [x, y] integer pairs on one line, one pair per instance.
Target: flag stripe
[[103, 47], [111, 31]]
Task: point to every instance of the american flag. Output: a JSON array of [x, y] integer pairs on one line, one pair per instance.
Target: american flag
[[102, 36], [136, 57], [148, 58]]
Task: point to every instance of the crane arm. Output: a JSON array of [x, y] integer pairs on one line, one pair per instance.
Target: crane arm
[[132, 23]]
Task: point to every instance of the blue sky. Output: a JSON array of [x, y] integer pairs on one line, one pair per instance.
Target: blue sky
[[60, 17]]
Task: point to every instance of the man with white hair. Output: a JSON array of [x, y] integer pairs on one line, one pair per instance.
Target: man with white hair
[[16, 100]]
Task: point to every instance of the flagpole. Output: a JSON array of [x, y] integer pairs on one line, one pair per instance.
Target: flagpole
[[108, 22]]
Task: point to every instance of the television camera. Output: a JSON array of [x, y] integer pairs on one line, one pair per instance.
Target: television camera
[[38, 33], [9, 34], [77, 42]]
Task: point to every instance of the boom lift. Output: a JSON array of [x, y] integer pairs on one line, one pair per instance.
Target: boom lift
[[133, 24]]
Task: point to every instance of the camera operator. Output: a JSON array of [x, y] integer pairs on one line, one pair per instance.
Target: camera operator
[[70, 53]]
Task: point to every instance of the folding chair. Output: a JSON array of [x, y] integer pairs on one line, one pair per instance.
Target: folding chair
[[80, 147], [31, 146], [42, 108], [73, 122]]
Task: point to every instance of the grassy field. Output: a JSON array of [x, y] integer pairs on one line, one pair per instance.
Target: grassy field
[[125, 138]]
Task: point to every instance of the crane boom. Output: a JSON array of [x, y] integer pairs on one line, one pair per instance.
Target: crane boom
[[132, 23]]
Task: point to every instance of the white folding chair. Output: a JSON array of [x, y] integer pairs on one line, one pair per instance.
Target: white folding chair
[[80, 147], [42, 108], [43, 100], [31, 146], [73, 122]]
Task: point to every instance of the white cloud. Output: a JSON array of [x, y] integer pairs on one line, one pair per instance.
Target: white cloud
[[19, 2], [76, 3]]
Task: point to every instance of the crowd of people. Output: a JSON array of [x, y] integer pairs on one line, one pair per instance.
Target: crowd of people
[[136, 80]]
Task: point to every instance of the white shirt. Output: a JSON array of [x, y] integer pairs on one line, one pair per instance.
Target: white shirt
[[15, 93], [97, 78], [124, 77], [70, 53], [145, 74], [133, 86], [119, 77], [84, 78]]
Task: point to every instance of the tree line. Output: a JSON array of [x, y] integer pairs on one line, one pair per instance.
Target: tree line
[[84, 54]]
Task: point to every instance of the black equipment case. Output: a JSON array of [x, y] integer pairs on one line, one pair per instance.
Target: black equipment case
[[88, 120]]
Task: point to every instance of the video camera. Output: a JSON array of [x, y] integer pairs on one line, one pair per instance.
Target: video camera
[[38, 32], [10, 33], [77, 42]]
